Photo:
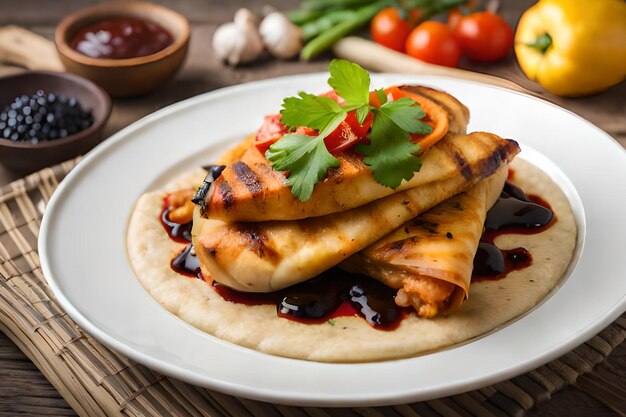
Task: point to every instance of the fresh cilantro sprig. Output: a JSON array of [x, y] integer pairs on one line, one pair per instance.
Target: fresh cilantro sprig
[[390, 153]]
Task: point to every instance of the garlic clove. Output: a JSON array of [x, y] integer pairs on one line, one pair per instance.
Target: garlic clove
[[282, 38], [239, 41], [224, 40], [245, 16]]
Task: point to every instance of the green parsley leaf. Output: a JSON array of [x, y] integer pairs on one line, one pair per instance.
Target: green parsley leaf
[[390, 153], [382, 97], [309, 110], [306, 159], [350, 81], [405, 114], [361, 113]]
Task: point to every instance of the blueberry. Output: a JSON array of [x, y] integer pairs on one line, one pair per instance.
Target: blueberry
[[43, 116]]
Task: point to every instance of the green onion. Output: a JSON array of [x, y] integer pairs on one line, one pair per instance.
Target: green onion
[[326, 5], [314, 28], [326, 39]]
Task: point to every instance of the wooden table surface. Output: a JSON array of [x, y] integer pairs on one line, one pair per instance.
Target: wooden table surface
[[23, 389]]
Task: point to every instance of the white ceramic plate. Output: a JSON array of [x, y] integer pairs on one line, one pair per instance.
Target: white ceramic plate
[[83, 254]]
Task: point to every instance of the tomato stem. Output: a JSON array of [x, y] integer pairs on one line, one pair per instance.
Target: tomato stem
[[542, 43]]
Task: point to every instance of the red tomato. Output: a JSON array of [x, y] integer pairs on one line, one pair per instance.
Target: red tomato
[[484, 36], [270, 131], [333, 95], [455, 14], [434, 42], [348, 133], [390, 30]]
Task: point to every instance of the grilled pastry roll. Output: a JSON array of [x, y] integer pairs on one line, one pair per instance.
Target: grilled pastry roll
[[249, 190], [430, 258]]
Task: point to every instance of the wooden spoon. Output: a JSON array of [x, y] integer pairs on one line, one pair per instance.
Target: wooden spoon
[[27, 49]]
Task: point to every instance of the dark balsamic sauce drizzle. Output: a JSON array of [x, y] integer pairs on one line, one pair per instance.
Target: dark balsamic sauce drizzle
[[187, 263], [336, 293], [514, 212], [179, 232]]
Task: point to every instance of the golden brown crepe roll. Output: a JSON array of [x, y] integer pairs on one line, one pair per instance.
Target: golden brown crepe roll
[[430, 258], [249, 190]]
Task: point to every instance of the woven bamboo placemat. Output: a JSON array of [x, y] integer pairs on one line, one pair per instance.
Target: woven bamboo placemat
[[96, 381]]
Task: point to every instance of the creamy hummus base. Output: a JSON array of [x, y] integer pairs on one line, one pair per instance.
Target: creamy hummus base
[[491, 304]]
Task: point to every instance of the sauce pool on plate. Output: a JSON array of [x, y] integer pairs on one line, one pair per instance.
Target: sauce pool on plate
[[121, 38]]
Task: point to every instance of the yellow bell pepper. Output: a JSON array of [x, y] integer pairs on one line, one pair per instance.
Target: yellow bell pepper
[[573, 47]]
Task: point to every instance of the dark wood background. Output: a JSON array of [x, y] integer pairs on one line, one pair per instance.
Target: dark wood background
[[24, 391]]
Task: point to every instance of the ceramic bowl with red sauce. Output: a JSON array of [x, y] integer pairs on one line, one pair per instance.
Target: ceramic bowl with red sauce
[[127, 48]]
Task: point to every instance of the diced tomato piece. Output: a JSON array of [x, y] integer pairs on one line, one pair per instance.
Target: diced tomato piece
[[348, 133], [270, 131], [307, 131], [333, 94]]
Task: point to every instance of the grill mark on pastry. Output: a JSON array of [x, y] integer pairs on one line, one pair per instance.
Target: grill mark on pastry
[[248, 177], [457, 156], [457, 115], [226, 193], [424, 93], [430, 227], [502, 153], [257, 242]]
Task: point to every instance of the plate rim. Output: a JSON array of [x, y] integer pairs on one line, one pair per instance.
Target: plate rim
[[261, 393]]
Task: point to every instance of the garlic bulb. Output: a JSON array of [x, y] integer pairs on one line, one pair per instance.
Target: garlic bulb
[[282, 38], [239, 41]]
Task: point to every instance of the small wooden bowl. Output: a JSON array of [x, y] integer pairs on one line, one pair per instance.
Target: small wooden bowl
[[125, 77], [26, 157]]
